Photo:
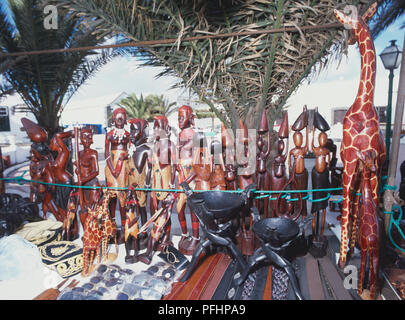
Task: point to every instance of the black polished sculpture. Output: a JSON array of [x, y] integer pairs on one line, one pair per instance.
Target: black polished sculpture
[[216, 212]]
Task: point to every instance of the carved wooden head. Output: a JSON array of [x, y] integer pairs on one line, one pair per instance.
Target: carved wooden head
[[356, 23]]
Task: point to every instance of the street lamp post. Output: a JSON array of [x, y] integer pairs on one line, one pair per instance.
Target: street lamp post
[[391, 59]]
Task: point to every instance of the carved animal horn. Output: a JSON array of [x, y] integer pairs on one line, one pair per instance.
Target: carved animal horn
[[283, 131], [34, 131], [302, 120], [264, 123], [320, 122], [227, 140], [370, 12]]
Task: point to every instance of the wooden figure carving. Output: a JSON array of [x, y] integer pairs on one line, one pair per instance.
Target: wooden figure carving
[[160, 232], [116, 153], [99, 229], [45, 168], [369, 225], [246, 173], [202, 162], [262, 175], [228, 152], [87, 170], [140, 168], [246, 238], [298, 153], [360, 125], [335, 174], [131, 226], [217, 180], [320, 180], [278, 174], [164, 167], [187, 245]]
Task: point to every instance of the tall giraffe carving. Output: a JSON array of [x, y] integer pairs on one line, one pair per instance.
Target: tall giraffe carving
[[360, 125]]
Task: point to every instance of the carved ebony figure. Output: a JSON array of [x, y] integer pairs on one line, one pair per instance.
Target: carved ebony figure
[[298, 153], [278, 174], [140, 168], [320, 180], [262, 175]]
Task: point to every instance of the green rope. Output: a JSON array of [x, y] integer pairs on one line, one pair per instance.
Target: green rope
[[265, 193], [396, 223]]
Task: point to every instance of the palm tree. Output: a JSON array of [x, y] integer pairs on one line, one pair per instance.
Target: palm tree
[[45, 82], [160, 105], [387, 13], [148, 107], [136, 107], [243, 73]]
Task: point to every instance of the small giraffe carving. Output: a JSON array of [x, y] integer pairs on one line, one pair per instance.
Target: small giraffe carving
[[360, 125], [369, 228], [99, 229]]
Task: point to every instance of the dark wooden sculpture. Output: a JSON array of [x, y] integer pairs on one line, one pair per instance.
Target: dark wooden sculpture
[[369, 226], [2, 167], [320, 180], [361, 125], [335, 174], [45, 168], [228, 152], [262, 174], [278, 174], [131, 226], [87, 170], [402, 183], [140, 168], [164, 175], [246, 238], [116, 154], [298, 153], [245, 172], [187, 244], [160, 233]]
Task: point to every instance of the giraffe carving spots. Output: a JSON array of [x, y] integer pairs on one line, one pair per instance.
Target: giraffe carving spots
[[360, 125]]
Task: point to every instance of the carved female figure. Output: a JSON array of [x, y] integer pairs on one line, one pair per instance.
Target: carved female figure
[[116, 151]]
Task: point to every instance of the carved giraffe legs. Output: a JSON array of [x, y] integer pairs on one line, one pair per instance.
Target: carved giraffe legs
[[348, 181], [373, 278], [354, 222], [372, 252]]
